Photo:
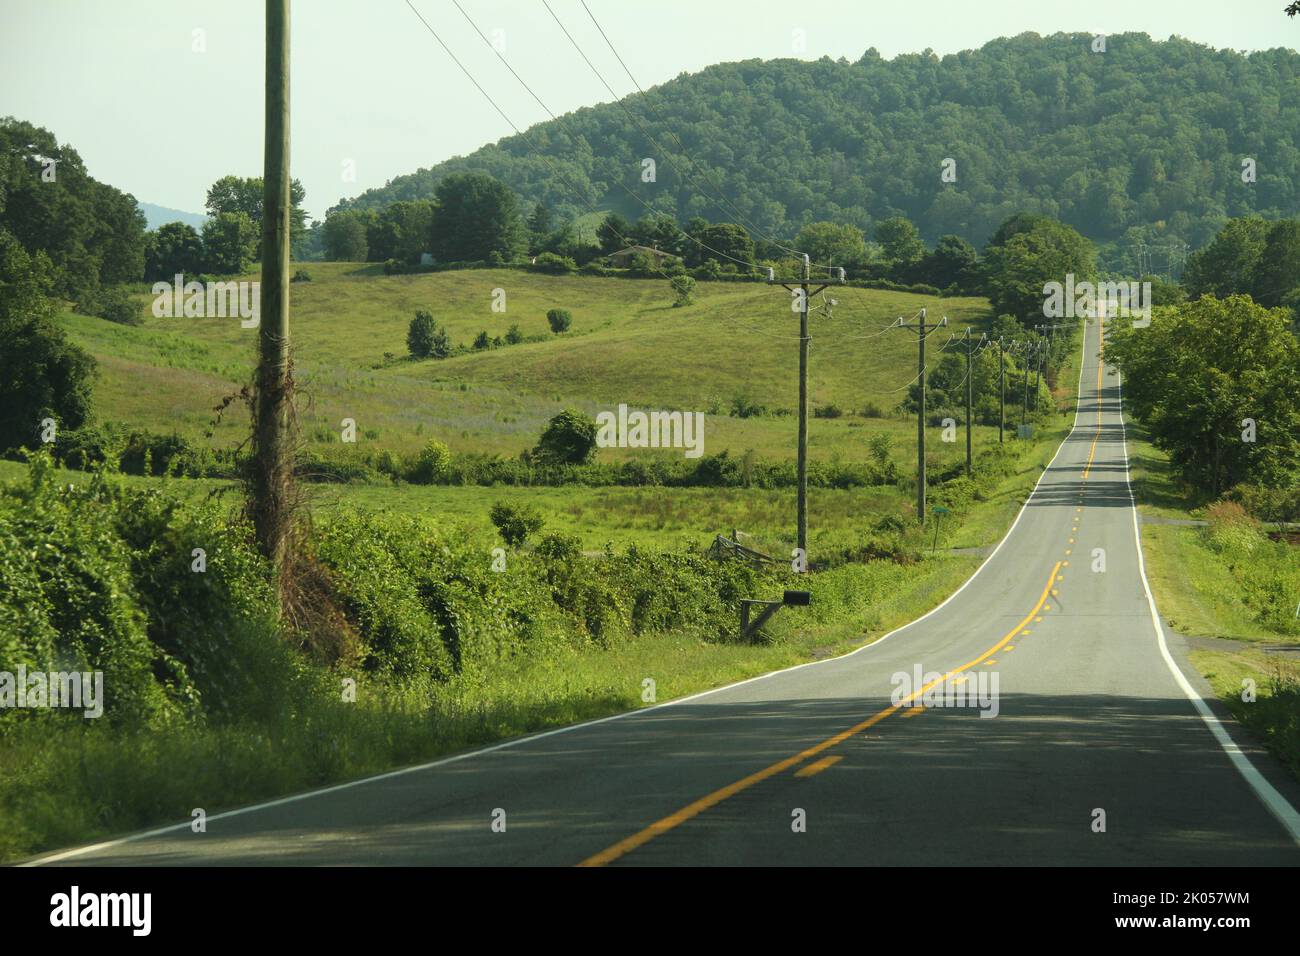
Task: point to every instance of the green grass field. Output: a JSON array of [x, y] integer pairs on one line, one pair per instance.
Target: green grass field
[[627, 344]]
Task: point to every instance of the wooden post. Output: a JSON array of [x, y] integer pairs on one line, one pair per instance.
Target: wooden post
[[802, 507], [272, 476]]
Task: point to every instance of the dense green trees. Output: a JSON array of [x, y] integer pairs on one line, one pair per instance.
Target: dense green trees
[[173, 247], [1140, 144], [230, 242], [1215, 382], [243, 194], [833, 243], [724, 243], [42, 375], [1226, 266], [1250, 256], [345, 236], [612, 233], [951, 263], [92, 234], [1024, 254], [476, 216], [900, 241]]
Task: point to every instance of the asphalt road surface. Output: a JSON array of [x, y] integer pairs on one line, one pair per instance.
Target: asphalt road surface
[[1101, 752]]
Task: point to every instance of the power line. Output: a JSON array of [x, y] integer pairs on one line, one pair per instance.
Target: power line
[[552, 115], [523, 133], [721, 198]]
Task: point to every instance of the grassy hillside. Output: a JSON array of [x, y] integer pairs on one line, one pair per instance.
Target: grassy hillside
[[627, 344]]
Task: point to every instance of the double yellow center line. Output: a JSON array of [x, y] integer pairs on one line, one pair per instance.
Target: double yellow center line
[[692, 810]]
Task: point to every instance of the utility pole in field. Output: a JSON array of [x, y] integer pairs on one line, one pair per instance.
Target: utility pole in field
[[970, 348], [1046, 349], [922, 331], [799, 303], [1002, 389], [1024, 400], [272, 476]]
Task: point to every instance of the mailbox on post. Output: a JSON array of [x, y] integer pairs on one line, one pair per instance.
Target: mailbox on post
[[749, 628]]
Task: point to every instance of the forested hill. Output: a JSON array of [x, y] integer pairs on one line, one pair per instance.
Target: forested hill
[[1143, 141]]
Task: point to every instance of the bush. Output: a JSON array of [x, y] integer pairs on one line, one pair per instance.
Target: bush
[[482, 341], [556, 265], [1268, 504], [708, 269], [683, 286], [559, 319], [420, 335], [743, 407], [113, 304], [594, 268], [569, 438], [301, 275], [828, 411], [515, 522], [514, 336], [1231, 531], [430, 465]]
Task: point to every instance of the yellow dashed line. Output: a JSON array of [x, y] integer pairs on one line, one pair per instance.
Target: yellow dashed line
[[696, 807], [819, 765]]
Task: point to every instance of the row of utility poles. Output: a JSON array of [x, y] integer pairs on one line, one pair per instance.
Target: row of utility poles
[[1035, 351]]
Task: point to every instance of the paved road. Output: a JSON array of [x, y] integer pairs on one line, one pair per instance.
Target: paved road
[[1090, 718]]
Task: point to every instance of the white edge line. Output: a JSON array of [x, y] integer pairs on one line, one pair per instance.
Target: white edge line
[[1277, 804], [517, 741]]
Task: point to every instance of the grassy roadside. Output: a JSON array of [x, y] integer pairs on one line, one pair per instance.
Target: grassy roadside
[[76, 783], [1208, 594]]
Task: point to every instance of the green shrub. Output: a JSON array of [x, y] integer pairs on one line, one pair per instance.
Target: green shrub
[[569, 438], [420, 335], [515, 522], [553, 264], [430, 465], [114, 304], [559, 320], [683, 287]]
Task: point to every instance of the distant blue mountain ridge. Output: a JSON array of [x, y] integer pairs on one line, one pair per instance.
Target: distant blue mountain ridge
[[158, 215]]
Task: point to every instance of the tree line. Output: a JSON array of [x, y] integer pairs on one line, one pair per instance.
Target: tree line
[[1142, 143]]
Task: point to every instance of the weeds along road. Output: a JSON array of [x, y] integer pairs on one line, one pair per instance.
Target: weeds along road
[[1095, 724]]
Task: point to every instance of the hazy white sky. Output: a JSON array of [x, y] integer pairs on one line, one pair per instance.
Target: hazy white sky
[[121, 81]]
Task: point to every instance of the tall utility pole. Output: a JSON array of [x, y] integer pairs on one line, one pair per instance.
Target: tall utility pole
[[801, 296], [969, 348], [272, 476], [1024, 400], [1002, 389], [922, 332], [1050, 329]]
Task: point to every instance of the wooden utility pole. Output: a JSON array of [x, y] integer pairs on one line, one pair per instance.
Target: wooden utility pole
[[1002, 389], [922, 332], [1024, 399], [1050, 329], [970, 348], [802, 296], [272, 476]]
